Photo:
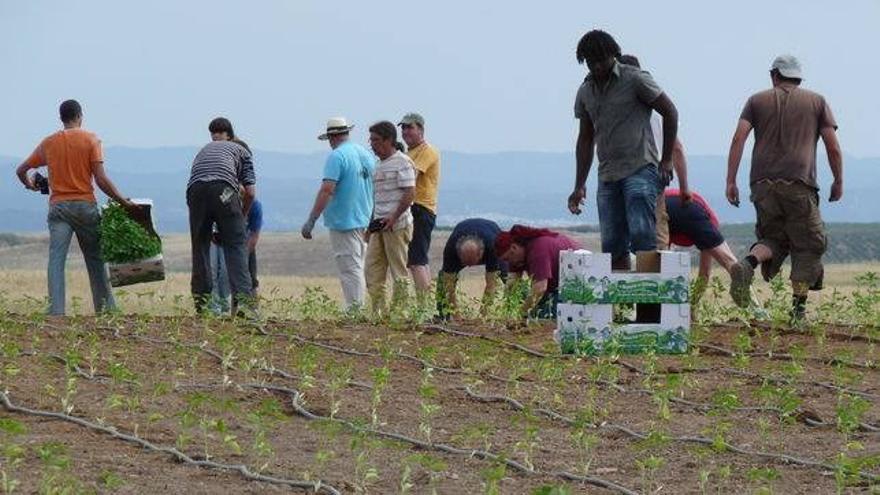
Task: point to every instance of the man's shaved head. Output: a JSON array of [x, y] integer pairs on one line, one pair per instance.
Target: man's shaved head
[[470, 250]]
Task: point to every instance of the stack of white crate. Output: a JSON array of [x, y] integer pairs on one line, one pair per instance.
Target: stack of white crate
[[589, 289]]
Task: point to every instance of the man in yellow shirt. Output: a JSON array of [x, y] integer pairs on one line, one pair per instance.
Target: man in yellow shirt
[[424, 208]]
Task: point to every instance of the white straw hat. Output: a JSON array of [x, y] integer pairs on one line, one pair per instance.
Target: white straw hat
[[336, 125]]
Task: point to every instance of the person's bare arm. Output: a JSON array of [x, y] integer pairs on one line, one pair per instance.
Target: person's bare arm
[[492, 279], [679, 161], [664, 106], [322, 199], [27, 180], [106, 185], [252, 241], [448, 283], [583, 152], [247, 199], [406, 201], [705, 264], [539, 287], [835, 160], [36, 160], [737, 145]]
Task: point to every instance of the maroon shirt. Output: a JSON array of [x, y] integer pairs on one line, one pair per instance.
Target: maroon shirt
[[542, 258]]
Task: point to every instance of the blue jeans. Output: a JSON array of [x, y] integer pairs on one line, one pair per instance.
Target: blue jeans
[[220, 295], [82, 218], [626, 212]]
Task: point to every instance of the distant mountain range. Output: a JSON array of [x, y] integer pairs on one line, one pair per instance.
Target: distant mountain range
[[509, 187]]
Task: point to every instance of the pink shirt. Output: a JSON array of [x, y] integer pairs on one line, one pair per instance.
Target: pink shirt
[[542, 258]]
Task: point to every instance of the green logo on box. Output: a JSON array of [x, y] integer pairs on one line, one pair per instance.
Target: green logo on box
[[591, 290]]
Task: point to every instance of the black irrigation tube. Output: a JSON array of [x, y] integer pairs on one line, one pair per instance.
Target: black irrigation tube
[[513, 345], [522, 348], [305, 413], [705, 407], [781, 356], [302, 411], [702, 407], [833, 335], [785, 458], [825, 385], [77, 369], [179, 456], [637, 370], [268, 369], [299, 409], [408, 357], [532, 352]]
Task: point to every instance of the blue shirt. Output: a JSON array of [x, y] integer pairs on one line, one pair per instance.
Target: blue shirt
[[255, 217], [351, 167]]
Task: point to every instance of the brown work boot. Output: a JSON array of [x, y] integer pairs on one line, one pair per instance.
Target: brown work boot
[[741, 275]]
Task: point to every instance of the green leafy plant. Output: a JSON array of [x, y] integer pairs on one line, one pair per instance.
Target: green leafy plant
[[380, 381], [427, 409], [123, 239]]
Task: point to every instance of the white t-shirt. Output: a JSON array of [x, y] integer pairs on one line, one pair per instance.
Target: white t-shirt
[[391, 177], [657, 132]]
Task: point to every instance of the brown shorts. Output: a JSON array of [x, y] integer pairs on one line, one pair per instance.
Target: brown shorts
[[662, 218], [789, 223]]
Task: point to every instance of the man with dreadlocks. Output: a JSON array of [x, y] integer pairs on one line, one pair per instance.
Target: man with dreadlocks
[[535, 252], [614, 106]]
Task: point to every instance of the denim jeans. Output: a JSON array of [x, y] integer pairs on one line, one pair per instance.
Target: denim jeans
[[220, 295], [81, 218], [626, 212]]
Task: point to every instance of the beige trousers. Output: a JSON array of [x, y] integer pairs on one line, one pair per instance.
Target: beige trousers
[[386, 253], [662, 222]]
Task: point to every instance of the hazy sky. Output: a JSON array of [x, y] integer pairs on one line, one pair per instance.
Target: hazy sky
[[487, 75]]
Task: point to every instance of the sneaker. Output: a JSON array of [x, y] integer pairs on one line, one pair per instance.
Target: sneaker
[[741, 275]]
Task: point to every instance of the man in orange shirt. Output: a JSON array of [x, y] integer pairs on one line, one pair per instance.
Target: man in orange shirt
[[74, 158]]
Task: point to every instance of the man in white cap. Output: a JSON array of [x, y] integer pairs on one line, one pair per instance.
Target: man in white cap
[[788, 121], [346, 200]]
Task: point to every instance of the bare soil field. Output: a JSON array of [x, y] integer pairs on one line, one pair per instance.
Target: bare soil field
[[145, 404], [153, 400]]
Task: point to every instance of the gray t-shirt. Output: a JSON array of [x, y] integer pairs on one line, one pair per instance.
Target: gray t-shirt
[[621, 115], [391, 177], [788, 121]]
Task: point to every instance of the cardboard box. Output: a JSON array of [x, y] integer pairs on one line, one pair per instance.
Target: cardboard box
[[589, 329], [139, 271], [661, 277], [136, 272]]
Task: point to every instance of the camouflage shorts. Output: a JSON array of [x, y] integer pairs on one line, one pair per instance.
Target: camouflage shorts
[[789, 223]]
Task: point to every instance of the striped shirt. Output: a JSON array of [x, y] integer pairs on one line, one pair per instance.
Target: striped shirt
[[390, 180], [224, 161]]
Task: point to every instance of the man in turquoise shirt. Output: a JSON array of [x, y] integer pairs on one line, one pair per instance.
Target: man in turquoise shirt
[[346, 200]]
